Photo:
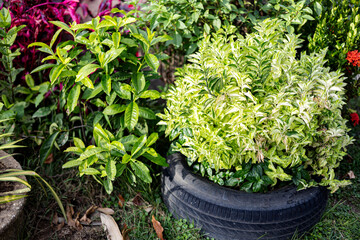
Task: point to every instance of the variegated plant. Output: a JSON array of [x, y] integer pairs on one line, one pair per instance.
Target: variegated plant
[[258, 108]]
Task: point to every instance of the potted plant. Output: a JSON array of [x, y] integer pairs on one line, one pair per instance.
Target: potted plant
[[252, 114]]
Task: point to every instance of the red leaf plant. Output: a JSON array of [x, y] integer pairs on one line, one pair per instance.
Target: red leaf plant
[[36, 15], [354, 117]]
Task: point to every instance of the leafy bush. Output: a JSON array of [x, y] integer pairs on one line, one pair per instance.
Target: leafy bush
[[187, 21], [105, 89], [337, 30], [250, 106]]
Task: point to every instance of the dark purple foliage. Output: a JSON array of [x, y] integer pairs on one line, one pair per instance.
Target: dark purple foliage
[[37, 14]]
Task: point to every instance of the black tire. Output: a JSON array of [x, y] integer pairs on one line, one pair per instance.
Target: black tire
[[224, 213]]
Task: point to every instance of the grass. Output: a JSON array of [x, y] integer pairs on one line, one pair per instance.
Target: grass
[[340, 221]]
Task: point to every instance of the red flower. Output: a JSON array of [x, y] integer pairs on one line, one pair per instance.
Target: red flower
[[353, 57], [355, 118]]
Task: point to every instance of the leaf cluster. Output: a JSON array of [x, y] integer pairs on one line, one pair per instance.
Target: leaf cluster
[[252, 100]]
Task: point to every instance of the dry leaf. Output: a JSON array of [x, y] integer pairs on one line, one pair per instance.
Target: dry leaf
[[78, 225], [138, 200], [87, 214], [107, 211], [111, 228], [69, 213], [125, 232], [351, 175], [121, 200], [55, 220], [158, 228], [49, 159], [148, 209], [60, 226]]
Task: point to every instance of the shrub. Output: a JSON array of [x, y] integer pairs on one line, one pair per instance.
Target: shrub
[[252, 113], [106, 91], [337, 30]]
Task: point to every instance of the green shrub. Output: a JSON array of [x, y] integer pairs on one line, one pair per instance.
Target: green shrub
[[188, 21], [106, 90], [254, 113], [337, 30]]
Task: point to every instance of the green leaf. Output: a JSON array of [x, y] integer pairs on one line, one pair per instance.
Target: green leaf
[[55, 73], [106, 83], [100, 132], [79, 143], [141, 171], [152, 61], [146, 113], [86, 70], [138, 145], [112, 54], [90, 152], [152, 94], [43, 67], [55, 37], [114, 109], [111, 169], [318, 8], [108, 185], [154, 157], [87, 82], [152, 139], [29, 81], [207, 28], [138, 81], [72, 163], [142, 39], [63, 26], [91, 171], [116, 37], [47, 146], [119, 146], [131, 115], [73, 97], [177, 39], [42, 112], [126, 158]]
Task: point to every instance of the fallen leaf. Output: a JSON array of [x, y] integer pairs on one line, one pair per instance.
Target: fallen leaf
[[69, 213], [87, 214], [138, 200], [148, 209], [125, 232], [351, 175], [49, 159], [121, 200], [78, 225], [107, 211], [60, 226], [158, 228], [111, 228], [55, 220]]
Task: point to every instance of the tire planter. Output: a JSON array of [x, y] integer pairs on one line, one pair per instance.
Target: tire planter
[[11, 214], [224, 213]]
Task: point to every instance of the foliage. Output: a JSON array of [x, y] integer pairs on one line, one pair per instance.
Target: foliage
[[36, 15], [11, 175], [105, 88], [251, 100], [337, 30], [188, 21]]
